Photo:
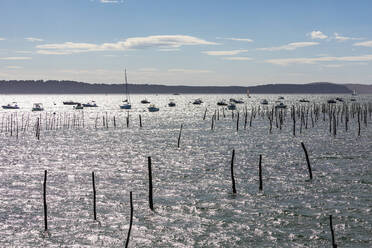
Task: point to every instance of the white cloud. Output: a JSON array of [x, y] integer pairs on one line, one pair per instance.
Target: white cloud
[[333, 66], [240, 39], [289, 47], [317, 35], [147, 69], [24, 52], [189, 71], [339, 37], [109, 1], [224, 53], [364, 43], [288, 61], [238, 58], [159, 41], [14, 67], [2, 38], [15, 58], [32, 39]]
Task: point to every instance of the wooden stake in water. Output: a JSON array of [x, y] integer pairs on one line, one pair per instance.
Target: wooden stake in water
[[94, 197], [334, 245], [151, 204], [205, 113], [131, 219], [45, 203], [140, 120], [179, 137], [307, 161], [260, 173], [232, 172]]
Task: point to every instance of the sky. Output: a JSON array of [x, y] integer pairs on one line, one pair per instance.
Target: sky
[[193, 42]]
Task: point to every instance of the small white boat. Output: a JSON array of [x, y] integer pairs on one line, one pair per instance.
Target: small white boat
[[264, 102], [231, 106], [171, 103], [281, 105], [145, 101], [236, 101], [152, 108], [221, 103], [197, 101], [12, 105], [91, 104], [79, 106], [37, 107], [126, 103]]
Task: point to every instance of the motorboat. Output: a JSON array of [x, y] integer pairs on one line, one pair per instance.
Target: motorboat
[[339, 99], [70, 103], [236, 101], [37, 107], [353, 99], [197, 101], [304, 100], [145, 101], [91, 104], [281, 105], [231, 106], [12, 105], [171, 103], [221, 103], [281, 97], [331, 101], [264, 102], [126, 103], [79, 106], [152, 108]]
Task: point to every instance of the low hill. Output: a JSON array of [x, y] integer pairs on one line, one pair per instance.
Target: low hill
[[72, 87]]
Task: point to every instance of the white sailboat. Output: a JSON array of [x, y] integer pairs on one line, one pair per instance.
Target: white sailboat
[[126, 102], [248, 94]]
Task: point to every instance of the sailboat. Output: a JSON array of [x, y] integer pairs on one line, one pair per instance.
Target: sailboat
[[126, 102], [248, 94]]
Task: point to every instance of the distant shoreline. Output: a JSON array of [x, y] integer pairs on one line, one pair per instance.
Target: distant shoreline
[[73, 87]]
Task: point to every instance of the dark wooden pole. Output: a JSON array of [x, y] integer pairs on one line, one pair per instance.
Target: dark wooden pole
[[232, 172], [130, 221], [308, 161], [140, 120], [151, 204], [260, 172], [334, 245], [94, 197], [179, 137], [45, 203]]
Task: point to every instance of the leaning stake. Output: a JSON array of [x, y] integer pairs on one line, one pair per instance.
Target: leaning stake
[[260, 172], [94, 197], [131, 220], [332, 232], [179, 137], [308, 161], [45, 203], [150, 185], [232, 172]]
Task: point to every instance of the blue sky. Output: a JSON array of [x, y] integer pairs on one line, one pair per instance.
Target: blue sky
[[191, 42]]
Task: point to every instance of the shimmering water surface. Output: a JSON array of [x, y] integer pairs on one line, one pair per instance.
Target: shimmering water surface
[[194, 204]]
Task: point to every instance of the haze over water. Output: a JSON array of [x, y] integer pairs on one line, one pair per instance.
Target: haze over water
[[193, 200]]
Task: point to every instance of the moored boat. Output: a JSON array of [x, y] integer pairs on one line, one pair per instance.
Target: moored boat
[[281, 105], [91, 104], [37, 107], [264, 102], [70, 103], [79, 106], [12, 105], [126, 103], [197, 101], [171, 103], [221, 103], [231, 106], [152, 108], [145, 101]]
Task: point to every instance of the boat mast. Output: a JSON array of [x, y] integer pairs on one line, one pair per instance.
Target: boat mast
[[126, 86]]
